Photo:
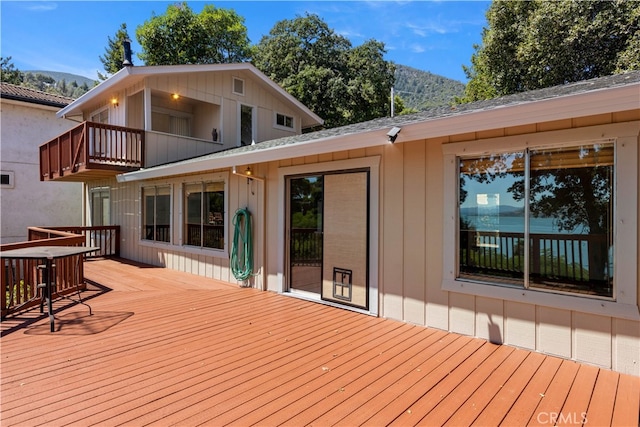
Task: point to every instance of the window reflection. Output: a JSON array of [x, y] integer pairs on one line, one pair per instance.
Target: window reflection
[[564, 210]]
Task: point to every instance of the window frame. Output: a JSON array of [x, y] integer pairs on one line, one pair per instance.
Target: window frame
[[624, 136], [99, 191], [233, 86], [276, 125], [11, 178], [142, 213], [220, 178], [173, 114]]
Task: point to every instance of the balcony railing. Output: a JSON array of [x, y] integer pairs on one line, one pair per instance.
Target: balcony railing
[[92, 149]]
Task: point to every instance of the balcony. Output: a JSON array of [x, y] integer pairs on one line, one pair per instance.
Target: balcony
[[92, 151]]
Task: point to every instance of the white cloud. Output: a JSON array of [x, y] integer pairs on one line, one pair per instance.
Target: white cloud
[[40, 6]]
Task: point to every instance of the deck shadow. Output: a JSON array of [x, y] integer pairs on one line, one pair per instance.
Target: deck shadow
[[81, 323], [24, 319]]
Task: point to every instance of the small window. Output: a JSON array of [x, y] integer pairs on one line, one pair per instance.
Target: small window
[[156, 213], [6, 179], [284, 121], [204, 218], [238, 86]]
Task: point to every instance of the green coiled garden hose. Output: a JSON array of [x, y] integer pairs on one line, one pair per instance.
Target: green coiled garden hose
[[242, 246]]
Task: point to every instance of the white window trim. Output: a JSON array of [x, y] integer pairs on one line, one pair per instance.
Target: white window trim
[[281, 127], [12, 182], [203, 249], [146, 242], [625, 138], [233, 86], [254, 123], [177, 214], [373, 163], [93, 190], [99, 111]]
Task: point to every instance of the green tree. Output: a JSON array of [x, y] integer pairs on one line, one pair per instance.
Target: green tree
[[320, 68], [113, 59], [181, 36], [535, 44], [9, 73]]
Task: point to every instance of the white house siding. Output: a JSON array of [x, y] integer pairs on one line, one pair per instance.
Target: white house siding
[[411, 243], [125, 210], [31, 202], [412, 261]]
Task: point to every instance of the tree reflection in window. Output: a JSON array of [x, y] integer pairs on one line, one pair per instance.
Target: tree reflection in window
[[564, 209]]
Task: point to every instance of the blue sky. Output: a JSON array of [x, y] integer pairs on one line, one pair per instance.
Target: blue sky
[[69, 36]]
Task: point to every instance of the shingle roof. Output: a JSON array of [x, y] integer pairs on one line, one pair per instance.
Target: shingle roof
[[21, 93]]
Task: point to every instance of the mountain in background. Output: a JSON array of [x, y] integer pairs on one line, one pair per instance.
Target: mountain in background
[[421, 90], [65, 84], [58, 76]]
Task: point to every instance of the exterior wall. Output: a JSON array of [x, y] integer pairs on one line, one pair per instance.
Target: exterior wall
[[411, 242], [31, 202], [126, 211], [218, 107], [412, 260]]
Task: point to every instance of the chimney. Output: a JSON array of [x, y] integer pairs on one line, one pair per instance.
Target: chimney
[[126, 43]]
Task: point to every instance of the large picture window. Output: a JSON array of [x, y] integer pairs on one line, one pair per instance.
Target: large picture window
[[204, 224], [156, 213], [539, 219]]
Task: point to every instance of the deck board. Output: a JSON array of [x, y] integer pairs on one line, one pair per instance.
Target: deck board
[[169, 348]]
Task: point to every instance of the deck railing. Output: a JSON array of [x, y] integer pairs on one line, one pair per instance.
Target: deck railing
[[106, 237], [92, 146], [560, 258], [20, 277], [306, 246]]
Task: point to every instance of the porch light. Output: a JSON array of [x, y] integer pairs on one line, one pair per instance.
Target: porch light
[[247, 173], [114, 102], [175, 96]]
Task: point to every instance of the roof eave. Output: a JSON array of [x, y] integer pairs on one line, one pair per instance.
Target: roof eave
[[124, 73]]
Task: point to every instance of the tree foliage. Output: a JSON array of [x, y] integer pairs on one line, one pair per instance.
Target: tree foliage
[[535, 44], [9, 73], [340, 83], [181, 36], [113, 59]]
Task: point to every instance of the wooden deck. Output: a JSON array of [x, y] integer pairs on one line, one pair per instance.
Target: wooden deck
[[169, 348]]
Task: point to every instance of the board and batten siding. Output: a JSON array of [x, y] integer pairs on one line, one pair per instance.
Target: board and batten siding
[[125, 210], [412, 257]]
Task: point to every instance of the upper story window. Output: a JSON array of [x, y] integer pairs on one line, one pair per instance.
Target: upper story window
[[539, 219], [238, 86], [204, 214], [170, 121], [156, 213], [282, 120], [101, 116]]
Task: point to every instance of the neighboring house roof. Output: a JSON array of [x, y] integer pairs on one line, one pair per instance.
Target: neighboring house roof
[[25, 94], [619, 92], [130, 75]]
